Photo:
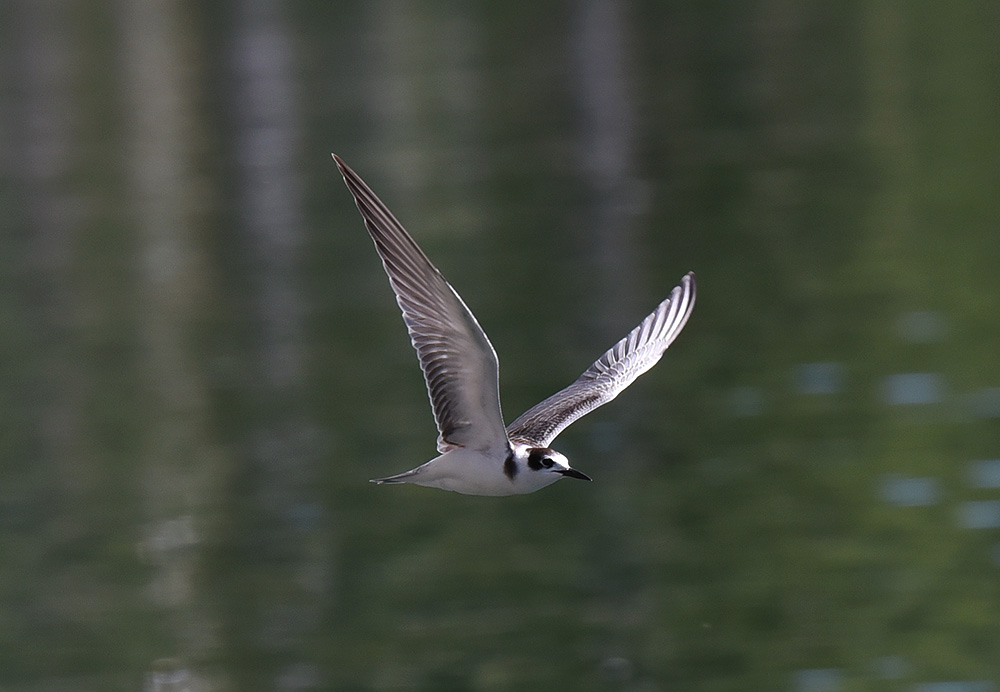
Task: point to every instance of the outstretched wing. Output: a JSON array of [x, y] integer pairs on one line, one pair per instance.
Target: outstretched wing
[[458, 361], [611, 373]]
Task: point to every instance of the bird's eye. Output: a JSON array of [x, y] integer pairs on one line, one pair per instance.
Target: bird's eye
[[547, 462]]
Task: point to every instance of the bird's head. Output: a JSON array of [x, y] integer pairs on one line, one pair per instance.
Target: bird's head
[[543, 460]]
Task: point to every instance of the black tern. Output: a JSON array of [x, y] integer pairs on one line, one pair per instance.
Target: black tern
[[477, 454]]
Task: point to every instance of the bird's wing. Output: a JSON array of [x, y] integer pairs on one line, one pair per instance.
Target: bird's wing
[[611, 373], [458, 361]]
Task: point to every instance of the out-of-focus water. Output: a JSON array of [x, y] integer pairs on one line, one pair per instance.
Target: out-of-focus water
[[203, 364]]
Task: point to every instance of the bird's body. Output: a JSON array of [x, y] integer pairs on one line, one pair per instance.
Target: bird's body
[[474, 472], [478, 455]]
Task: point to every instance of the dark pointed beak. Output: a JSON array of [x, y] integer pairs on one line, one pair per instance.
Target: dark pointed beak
[[573, 473]]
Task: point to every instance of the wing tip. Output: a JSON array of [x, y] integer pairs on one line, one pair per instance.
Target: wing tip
[[690, 280], [344, 169], [686, 292]]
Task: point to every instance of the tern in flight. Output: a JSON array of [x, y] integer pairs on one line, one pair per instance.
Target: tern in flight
[[478, 455]]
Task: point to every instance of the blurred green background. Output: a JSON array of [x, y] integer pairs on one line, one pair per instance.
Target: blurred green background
[[202, 362]]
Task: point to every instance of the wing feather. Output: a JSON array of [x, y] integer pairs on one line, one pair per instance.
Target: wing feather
[[457, 359], [610, 374]]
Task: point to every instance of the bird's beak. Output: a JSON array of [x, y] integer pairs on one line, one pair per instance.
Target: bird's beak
[[573, 473]]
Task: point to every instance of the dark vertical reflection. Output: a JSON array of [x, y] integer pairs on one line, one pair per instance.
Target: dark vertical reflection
[[422, 89], [47, 460], [276, 600], [889, 130], [159, 69], [44, 72]]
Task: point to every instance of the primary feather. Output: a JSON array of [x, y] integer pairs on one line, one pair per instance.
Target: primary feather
[[611, 373]]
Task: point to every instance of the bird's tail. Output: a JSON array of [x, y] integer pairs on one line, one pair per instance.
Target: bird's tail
[[398, 478]]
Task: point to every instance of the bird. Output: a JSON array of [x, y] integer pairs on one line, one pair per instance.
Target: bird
[[477, 454]]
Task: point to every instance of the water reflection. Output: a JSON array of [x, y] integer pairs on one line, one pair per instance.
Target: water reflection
[[203, 364]]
